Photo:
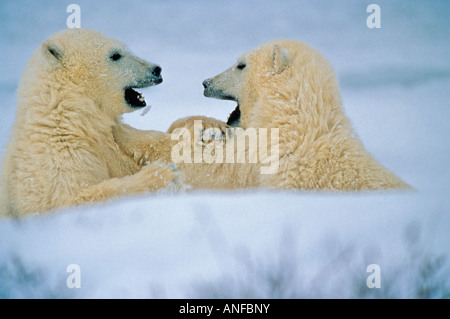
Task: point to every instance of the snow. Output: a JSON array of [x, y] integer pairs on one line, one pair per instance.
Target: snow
[[394, 84]]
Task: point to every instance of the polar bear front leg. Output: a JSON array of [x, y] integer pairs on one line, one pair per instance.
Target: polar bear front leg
[[143, 146], [151, 178]]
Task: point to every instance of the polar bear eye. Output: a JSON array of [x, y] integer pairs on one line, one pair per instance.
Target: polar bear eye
[[115, 56], [241, 66]]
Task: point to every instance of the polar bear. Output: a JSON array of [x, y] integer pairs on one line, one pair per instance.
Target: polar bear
[[288, 86], [70, 99]]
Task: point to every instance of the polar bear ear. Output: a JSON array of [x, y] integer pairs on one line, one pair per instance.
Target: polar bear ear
[[281, 58], [52, 51]]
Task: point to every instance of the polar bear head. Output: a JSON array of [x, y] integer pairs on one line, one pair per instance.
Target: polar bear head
[[94, 65], [274, 76]]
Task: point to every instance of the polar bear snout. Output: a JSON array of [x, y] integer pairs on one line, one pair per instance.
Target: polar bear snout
[[156, 71], [154, 77], [208, 91], [207, 83], [156, 74], [213, 91]]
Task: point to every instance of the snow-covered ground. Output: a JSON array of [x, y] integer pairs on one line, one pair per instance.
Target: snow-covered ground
[[395, 83]]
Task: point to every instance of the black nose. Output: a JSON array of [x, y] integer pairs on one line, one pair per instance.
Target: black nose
[[206, 83], [156, 71]]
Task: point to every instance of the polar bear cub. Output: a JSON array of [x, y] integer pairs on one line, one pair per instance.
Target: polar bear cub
[[289, 86], [62, 152]]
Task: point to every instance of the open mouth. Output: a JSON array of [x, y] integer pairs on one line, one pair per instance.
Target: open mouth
[[234, 119], [134, 98]]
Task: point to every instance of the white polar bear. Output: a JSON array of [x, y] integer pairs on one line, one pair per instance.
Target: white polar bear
[[62, 152], [288, 86]]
